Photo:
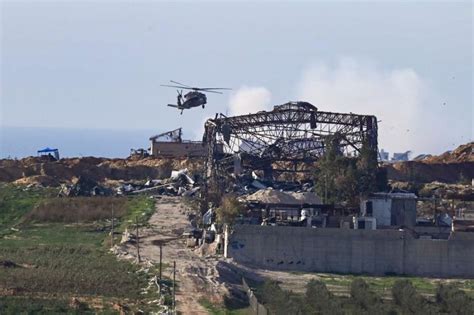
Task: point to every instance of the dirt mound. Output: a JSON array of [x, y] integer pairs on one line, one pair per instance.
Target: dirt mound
[[36, 170], [413, 171], [43, 180], [463, 153], [451, 167]]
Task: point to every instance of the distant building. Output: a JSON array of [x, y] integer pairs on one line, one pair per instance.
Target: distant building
[[383, 156], [401, 156], [171, 144], [390, 209]]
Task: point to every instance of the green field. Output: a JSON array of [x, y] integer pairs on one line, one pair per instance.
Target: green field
[[51, 266]]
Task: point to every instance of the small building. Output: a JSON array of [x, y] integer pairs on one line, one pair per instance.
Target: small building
[[399, 157], [171, 144], [390, 209], [383, 155]]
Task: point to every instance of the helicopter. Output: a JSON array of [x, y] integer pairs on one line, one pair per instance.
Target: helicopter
[[194, 98]]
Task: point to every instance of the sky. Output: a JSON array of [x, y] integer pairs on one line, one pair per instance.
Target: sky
[[92, 70]]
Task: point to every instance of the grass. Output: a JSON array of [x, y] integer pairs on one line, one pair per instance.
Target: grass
[[77, 210], [138, 207], [222, 310], [15, 202], [56, 262], [21, 305]]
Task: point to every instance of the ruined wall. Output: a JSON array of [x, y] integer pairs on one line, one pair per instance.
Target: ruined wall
[[377, 252], [178, 149]]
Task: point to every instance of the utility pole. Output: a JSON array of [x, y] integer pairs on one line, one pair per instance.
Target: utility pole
[[112, 230], [174, 287], [161, 257], [138, 240]]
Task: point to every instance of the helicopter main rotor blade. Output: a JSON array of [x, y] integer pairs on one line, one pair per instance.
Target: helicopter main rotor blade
[[217, 92], [177, 86], [181, 84], [205, 89]]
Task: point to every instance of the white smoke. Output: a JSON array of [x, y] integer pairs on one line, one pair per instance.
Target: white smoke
[[396, 97], [410, 114], [249, 100]]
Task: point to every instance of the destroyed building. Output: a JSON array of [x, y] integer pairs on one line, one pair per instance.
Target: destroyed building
[[287, 139], [171, 144]]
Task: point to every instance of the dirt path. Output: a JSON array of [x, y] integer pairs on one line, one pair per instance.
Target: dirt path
[[196, 276]]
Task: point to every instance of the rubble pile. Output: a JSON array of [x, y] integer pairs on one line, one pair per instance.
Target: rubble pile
[[84, 187], [272, 196], [45, 172], [178, 184]]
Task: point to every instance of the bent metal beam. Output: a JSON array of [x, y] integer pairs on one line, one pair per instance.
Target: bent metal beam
[[284, 139]]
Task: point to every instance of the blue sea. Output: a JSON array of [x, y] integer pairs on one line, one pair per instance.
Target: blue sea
[[18, 142]]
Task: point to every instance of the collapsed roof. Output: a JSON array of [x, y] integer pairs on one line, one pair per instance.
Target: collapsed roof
[[283, 139], [169, 136]]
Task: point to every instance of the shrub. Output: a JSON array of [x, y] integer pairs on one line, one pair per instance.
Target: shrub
[[408, 299], [364, 299], [320, 300], [453, 301], [281, 302]]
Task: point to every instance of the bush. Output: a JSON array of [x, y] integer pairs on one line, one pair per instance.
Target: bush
[[408, 299], [453, 301], [281, 302], [364, 299], [319, 300], [361, 294]]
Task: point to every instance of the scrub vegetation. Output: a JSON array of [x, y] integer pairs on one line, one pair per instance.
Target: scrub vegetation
[[362, 299], [54, 255]]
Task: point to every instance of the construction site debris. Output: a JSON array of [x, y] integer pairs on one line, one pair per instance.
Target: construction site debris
[[84, 186], [273, 196]]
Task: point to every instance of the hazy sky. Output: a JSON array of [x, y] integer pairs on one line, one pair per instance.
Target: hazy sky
[[97, 64]]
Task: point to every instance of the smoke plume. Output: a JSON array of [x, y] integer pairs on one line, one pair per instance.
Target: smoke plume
[[396, 97], [249, 100]]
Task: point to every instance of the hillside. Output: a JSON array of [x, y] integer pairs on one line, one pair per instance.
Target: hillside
[[33, 170], [449, 167]]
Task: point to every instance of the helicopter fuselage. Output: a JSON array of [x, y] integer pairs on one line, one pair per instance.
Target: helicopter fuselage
[[192, 99]]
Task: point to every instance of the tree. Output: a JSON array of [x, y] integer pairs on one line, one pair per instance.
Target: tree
[[281, 302], [367, 167], [320, 300], [229, 210], [335, 175], [453, 301], [408, 299], [366, 300]]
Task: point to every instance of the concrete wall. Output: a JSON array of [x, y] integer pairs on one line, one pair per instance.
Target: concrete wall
[[377, 252]]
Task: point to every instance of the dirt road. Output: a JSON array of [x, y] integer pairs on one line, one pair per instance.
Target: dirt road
[[196, 277]]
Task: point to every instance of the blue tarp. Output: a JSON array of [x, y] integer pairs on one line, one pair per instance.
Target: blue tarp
[[49, 150], [46, 150]]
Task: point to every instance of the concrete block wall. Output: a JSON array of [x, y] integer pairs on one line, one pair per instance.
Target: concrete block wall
[[376, 252]]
